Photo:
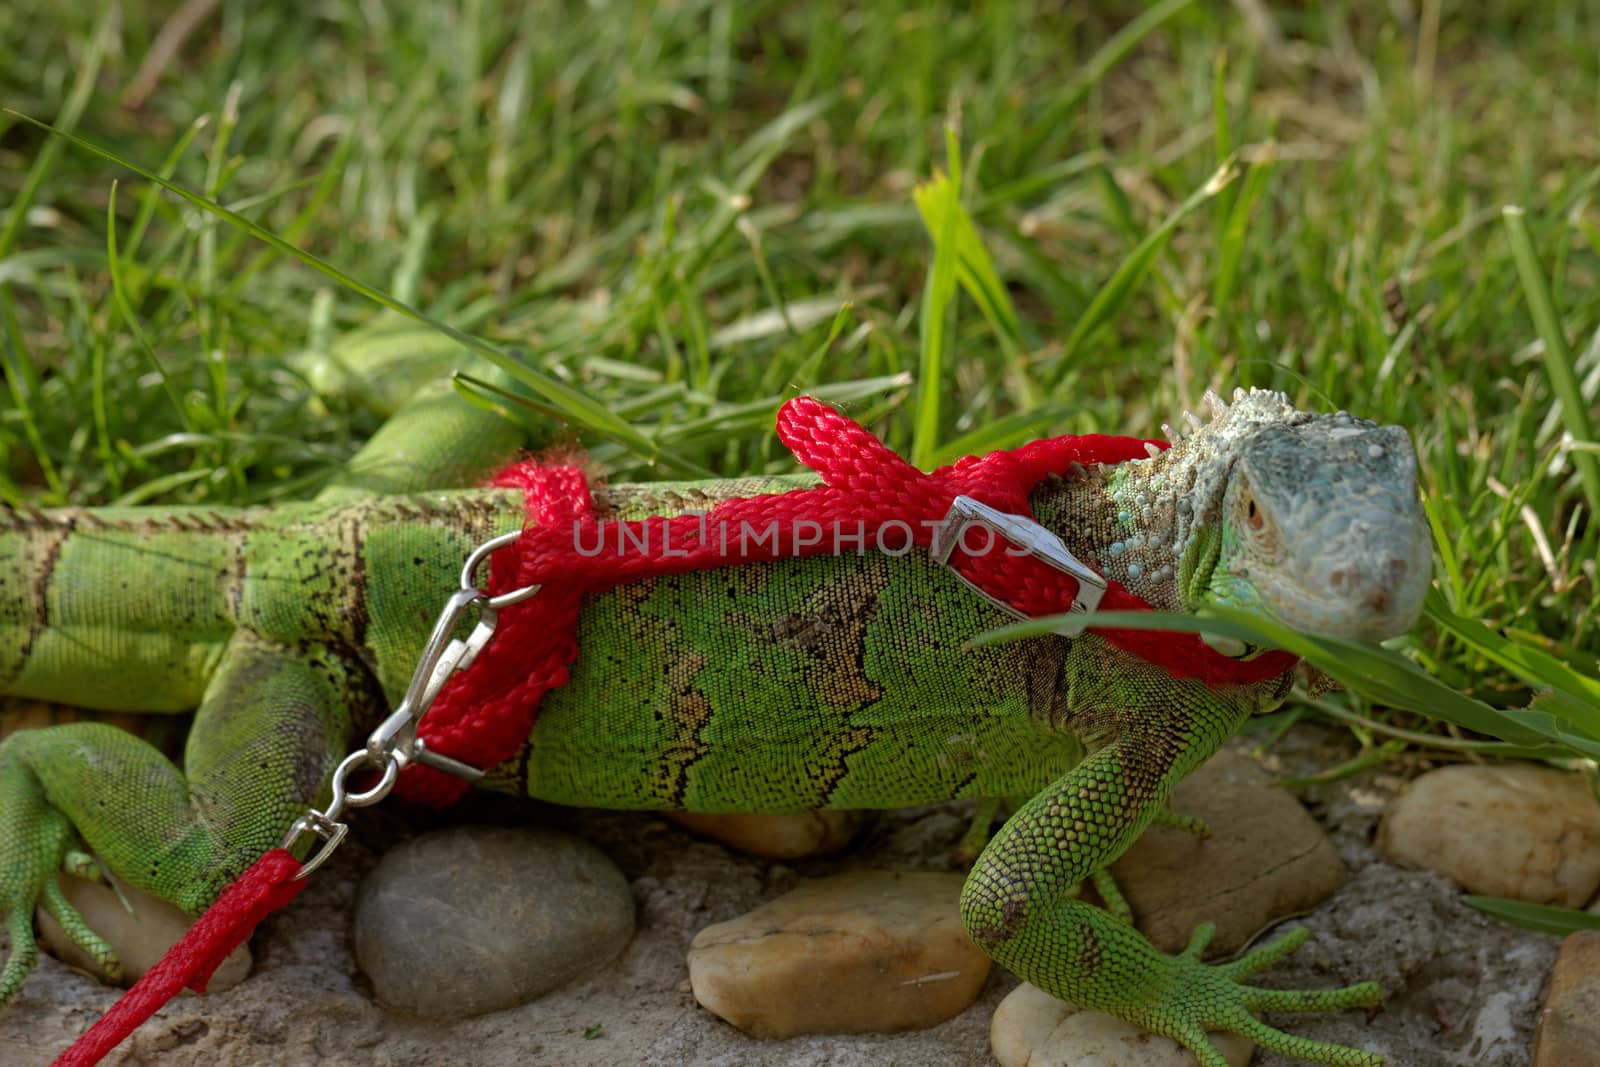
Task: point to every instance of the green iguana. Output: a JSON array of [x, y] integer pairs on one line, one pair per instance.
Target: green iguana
[[843, 681]]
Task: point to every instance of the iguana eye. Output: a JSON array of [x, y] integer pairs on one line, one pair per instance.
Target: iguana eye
[[1257, 531]]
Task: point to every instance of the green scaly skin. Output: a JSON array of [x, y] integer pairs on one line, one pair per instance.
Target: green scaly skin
[[839, 682]]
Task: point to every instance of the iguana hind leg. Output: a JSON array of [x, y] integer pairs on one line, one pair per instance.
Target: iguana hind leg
[[274, 722]]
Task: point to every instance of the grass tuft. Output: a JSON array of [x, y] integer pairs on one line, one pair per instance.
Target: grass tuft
[[659, 221]]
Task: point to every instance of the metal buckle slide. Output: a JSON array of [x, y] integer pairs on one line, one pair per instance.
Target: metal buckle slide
[[1034, 540]]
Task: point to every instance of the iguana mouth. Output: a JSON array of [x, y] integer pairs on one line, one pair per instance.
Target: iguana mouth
[[1208, 555], [1369, 595]]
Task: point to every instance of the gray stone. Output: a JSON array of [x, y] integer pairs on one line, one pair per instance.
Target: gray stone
[[471, 920], [1266, 858]]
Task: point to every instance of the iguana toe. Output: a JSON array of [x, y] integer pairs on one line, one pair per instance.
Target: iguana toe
[[24, 953], [81, 864], [78, 930], [1213, 998], [1316, 1051], [1189, 824], [1111, 896]]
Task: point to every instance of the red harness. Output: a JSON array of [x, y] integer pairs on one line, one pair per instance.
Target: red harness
[[871, 500]]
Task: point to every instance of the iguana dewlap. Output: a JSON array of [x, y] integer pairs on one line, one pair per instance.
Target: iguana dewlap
[[776, 687]]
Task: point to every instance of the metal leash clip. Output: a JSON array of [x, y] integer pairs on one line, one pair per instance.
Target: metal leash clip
[[394, 744]]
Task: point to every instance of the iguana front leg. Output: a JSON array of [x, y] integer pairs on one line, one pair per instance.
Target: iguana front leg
[[1017, 901], [273, 723]]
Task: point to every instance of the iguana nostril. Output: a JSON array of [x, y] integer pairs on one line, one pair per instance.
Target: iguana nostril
[[1374, 593]]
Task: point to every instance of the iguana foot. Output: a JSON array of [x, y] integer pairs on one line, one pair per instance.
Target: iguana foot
[[272, 725], [1111, 896], [1189, 824], [982, 828], [1212, 997], [37, 843], [80, 864], [1105, 884]]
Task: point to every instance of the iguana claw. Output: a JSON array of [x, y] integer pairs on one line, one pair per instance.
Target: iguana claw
[[1211, 997]]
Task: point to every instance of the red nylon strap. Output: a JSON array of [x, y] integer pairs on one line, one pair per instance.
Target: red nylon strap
[[482, 715], [870, 493], [267, 885]]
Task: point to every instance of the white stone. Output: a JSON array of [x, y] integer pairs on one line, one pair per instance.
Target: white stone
[[139, 937], [1522, 831], [1031, 1028]]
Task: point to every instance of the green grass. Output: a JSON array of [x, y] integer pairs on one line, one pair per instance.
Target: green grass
[[974, 225]]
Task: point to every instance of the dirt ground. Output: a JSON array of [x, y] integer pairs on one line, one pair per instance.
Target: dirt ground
[[1460, 989]]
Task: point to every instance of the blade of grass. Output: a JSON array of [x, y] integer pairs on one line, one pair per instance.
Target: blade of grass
[[119, 290], [1236, 228], [1004, 432], [1124, 281], [152, 193], [1222, 131], [1557, 355], [1546, 918], [974, 266], [1539, 669], [1349, 768], [808, 367], [17, 373], [1105, 57], [71, 111], [1377, 672], [1361, 724], [571, 404], [938, 300]]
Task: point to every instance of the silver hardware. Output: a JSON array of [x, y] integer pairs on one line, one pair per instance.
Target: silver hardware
[[314, 822], [443, 655], [469, 571], [1033, 540], [326, 824], [394, 745]]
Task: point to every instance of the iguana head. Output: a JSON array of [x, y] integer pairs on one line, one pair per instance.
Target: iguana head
[[1311, 519]]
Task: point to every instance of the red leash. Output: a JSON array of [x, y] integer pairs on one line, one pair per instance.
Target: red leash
[[268, 885], [871, 500]]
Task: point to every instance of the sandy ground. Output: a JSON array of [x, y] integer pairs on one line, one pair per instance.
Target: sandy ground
[[1460, 989]]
